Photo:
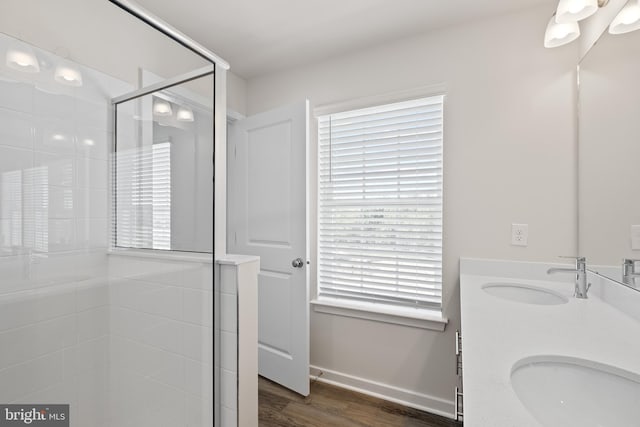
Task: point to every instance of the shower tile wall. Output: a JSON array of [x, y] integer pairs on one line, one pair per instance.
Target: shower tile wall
[[54, 313], [161, 342]]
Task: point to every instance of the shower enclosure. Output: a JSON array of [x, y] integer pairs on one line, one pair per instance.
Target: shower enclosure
[[107, 139]]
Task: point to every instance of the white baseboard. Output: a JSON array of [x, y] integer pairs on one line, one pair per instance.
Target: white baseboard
[[412, 399]]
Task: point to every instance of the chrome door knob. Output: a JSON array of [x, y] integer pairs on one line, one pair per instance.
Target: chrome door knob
[[297, 263]]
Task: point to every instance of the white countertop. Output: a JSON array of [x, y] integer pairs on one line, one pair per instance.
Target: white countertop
[[497, 333]]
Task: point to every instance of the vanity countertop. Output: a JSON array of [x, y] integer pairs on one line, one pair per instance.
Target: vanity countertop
[[497, 333]]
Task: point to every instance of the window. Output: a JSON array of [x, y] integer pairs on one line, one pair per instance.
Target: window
[[143, 197], [380, 205]]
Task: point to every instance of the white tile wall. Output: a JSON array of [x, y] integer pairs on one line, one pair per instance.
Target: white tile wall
[[126, 341], [161, 341], [54, 312]]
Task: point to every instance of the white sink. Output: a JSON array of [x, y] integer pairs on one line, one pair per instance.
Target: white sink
[[565, 392], [524, 293]]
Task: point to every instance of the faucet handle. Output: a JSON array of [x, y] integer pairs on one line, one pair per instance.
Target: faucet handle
[[581, 262], [577, 258]]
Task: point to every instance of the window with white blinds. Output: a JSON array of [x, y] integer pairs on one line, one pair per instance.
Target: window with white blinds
[[380, 204], [143, 197]]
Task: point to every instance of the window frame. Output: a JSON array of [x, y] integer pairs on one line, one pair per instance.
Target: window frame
[[423, 317]]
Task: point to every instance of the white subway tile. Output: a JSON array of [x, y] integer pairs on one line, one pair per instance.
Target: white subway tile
[[228, 280], [17, 94], [93, 323], [228, 350], [30, 376], [198, 307], [92, 173], [228, 313], [29, 307], [228, 389], [55, 136], [36, 340], [15, 129]]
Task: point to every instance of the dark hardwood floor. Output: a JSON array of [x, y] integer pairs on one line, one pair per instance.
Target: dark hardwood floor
[[328, 405]]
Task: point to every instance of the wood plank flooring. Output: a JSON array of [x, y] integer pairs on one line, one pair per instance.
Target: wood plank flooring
[[328, 405]]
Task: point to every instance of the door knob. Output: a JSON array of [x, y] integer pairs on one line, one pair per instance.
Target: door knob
[[297, 263]]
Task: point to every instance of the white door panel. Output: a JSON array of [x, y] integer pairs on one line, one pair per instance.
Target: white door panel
[[267, 216]]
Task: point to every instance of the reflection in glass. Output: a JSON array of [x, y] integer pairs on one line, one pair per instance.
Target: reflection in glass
[[163, 170]]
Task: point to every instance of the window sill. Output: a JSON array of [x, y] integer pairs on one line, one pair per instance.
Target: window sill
[[416, 318]]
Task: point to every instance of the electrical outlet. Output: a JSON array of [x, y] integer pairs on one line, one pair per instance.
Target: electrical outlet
[[519, 234], [635, 237]]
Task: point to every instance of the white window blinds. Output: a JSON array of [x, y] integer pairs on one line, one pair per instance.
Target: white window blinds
[[143, 197], [380, 204]]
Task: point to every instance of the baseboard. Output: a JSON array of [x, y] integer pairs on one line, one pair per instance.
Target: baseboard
[[412, 399]]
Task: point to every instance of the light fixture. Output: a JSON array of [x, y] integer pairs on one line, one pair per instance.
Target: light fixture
[[560, 34], [22, 58], [58, 137], [162, 108], [89, 142], [184, 114], [68, 74], [627, 20], [575, 10]]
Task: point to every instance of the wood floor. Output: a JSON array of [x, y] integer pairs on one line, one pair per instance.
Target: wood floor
[[328, 405]]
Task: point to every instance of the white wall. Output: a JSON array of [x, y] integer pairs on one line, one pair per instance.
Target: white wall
[[509, 158], [236, 94]]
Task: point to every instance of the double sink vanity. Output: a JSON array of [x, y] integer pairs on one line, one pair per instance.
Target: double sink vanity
[[536, 354], [563, 350]]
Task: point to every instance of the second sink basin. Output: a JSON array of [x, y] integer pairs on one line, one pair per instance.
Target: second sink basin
[[524, 293], [570, 392]]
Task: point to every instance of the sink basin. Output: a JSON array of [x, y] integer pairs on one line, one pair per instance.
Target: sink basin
[[524, 293], [565, 392]]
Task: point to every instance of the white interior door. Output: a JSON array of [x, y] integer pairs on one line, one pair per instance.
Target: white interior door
[[267, 216]]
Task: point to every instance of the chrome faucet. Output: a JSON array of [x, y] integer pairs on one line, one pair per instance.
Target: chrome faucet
[[629, 273], [581, 276]]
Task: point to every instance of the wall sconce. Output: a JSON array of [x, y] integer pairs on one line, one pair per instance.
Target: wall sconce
[[68, 74], [563, 26], [22, 58], [627, 20], [185, 114], [162, 108]]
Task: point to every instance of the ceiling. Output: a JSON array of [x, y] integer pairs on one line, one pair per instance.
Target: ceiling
[[262, 36]]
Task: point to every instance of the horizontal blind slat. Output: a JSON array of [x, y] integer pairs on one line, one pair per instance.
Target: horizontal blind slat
[[380, 203]]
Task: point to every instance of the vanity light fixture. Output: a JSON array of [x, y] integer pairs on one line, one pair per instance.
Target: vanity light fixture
[[22, 59], [68, 74], [627, 20], [563, 26], [560, 34], [185, 114], [575, 10], [162, 108]]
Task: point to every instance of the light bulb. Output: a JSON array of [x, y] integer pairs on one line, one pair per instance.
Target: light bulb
[[162, 108], [560, 34], [68, 74], [22, 59], [185, 114], [627, 20], [575, 10]]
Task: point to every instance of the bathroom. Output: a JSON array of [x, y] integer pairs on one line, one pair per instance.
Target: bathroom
[[139, 333]]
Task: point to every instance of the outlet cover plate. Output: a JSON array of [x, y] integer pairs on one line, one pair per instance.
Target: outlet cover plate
[[519, 234]]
